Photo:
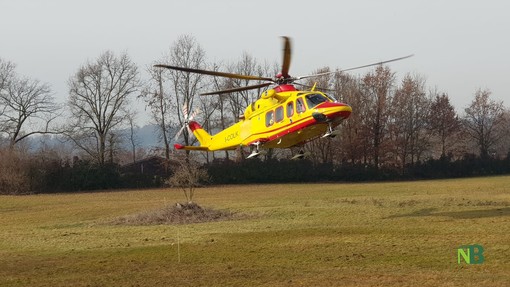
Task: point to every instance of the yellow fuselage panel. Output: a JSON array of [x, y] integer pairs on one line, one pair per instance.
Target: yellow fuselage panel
[[229, 138]]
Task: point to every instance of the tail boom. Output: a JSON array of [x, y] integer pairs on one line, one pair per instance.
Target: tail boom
[[190, 147], [227, 139]]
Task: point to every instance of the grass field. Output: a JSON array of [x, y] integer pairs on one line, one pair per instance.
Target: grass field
[[376, 234]]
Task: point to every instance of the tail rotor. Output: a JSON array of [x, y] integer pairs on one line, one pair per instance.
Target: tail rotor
[[187, 119]]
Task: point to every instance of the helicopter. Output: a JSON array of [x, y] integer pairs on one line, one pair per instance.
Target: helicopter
[[282, 117]]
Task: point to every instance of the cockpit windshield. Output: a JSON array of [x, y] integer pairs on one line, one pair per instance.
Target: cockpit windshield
[[333, 99], [313, 100]]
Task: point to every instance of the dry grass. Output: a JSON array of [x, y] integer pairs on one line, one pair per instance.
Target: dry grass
[[377, 234]]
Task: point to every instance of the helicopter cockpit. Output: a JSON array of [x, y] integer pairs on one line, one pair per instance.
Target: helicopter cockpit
[[312, 100]]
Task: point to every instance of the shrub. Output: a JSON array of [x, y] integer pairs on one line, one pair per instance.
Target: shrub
[[14, 178]]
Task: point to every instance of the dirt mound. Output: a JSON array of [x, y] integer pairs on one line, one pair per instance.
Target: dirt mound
[[177, 214]]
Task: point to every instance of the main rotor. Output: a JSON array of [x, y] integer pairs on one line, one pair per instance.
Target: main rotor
[[281, 78]]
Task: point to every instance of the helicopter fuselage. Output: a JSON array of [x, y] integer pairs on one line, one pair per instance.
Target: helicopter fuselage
[[282, 117]]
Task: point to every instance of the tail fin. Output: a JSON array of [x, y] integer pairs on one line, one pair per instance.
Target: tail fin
[[203, 137]]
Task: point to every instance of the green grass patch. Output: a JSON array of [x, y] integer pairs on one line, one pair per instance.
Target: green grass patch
[[374, 234]]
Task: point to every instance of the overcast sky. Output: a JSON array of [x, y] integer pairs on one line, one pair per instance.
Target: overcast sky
[[459, 46]]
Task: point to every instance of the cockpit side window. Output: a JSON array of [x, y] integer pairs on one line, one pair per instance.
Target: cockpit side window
[[313, 100]]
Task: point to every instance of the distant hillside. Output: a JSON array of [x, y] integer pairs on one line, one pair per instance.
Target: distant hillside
[[146, 137]]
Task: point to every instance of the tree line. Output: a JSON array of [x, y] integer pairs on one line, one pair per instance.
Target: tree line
[[398, 128]]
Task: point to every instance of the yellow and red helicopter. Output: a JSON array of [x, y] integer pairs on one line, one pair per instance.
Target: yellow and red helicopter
[[282, 117]]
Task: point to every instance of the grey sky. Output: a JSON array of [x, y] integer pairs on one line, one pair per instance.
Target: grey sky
[[459, 46]]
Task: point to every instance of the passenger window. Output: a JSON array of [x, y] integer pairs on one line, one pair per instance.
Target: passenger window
[[290, 109], [279, 114], [300, 105], [269, 118]]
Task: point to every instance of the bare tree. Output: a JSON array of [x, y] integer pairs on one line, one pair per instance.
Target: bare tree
[[481, 119], [443, 122], [134, 141], [503, 145], [321, 82], [185, 52], [160, 104], [409, 114], [354, 140], [377, 87], [98, 97], [27, 107], [7, 73], [188, 176]]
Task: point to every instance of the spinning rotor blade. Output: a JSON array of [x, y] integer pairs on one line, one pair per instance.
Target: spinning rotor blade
[[178, 134], [377, 64], [237, 89], [354, 68], [316, 88], [286, 57], [215, 73]]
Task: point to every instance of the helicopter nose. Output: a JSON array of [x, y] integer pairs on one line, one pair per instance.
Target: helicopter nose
[[335, 110]]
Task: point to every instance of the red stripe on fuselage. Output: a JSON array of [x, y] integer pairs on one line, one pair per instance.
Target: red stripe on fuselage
[[330, 105]]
